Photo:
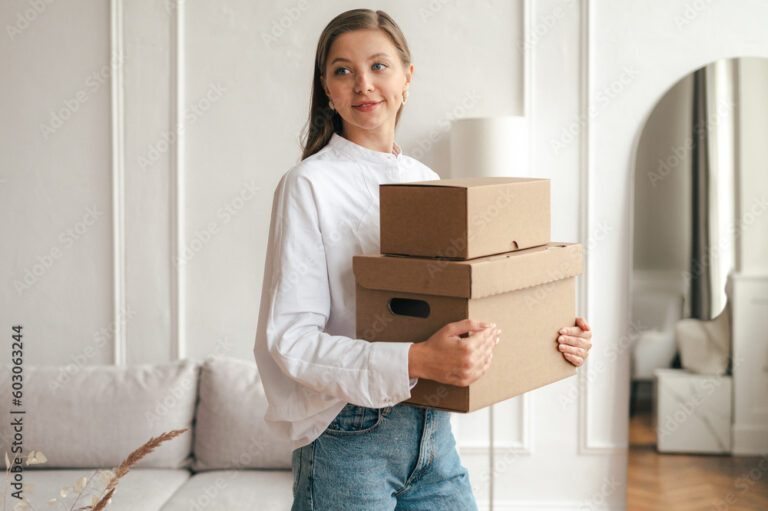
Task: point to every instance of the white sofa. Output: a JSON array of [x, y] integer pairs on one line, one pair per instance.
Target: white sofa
[[86, 418]]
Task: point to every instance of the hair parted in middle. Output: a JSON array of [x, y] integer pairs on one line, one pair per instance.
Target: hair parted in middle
[[323, 122]]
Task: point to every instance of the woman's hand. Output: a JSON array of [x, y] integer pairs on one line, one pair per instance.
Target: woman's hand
[[446, 357], [575, 342]]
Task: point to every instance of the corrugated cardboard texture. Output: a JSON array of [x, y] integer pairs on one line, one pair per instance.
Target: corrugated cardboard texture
[[464, 218], [529, 295], [474, 278]]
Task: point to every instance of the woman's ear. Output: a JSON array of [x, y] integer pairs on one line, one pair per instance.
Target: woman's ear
[[408, 76]]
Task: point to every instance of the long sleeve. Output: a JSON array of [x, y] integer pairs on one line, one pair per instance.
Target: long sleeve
[[371, 374]]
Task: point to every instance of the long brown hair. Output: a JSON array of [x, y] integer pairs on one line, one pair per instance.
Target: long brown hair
[[324, 122]]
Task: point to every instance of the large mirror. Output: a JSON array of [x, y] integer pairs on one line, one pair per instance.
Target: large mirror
[[700, 273]]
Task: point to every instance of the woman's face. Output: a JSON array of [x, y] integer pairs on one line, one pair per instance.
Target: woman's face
[[365, 78]]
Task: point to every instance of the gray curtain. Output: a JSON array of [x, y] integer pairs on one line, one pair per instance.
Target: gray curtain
[[712, 203], [701, 263]]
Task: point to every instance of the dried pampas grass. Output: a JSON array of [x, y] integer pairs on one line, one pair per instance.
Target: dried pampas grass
[[109, 477]]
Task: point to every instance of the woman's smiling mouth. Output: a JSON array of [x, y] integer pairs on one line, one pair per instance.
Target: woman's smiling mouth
[[366, 107]]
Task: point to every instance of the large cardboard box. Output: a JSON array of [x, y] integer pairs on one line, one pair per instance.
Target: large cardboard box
[[528, 293], [464, 218]]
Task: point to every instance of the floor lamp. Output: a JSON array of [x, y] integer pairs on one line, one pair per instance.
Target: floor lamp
[[489, 147]]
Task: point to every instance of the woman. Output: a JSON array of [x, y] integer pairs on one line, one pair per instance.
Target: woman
[[335, 396]]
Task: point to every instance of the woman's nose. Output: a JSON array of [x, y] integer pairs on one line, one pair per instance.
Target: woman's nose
[[363, 83]]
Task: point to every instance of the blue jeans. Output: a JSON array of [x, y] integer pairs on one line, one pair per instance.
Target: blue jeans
[[374, 459]]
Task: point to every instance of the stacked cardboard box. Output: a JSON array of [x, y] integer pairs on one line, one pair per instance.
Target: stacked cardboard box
[[471, 248]]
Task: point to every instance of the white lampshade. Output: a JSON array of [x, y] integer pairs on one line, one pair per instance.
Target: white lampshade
[[489, 146]]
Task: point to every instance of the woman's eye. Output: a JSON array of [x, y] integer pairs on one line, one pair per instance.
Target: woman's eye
[[344, 70]]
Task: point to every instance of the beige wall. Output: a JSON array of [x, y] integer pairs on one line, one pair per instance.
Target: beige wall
[[243, 91], [662, 197]]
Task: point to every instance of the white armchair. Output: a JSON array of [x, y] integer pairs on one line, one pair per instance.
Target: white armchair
[[656, 312]]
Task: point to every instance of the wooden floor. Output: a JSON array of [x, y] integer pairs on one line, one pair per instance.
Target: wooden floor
[[677, 482]]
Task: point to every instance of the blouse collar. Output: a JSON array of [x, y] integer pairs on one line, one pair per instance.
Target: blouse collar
[[357, 151]]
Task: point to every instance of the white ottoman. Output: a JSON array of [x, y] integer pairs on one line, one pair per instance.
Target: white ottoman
[[693, 412]]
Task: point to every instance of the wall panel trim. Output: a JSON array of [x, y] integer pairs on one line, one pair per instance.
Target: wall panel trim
[[117, 92], [587, 446], [177, 185]]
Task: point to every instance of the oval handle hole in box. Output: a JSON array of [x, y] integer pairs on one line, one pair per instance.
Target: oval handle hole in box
[[409, 307]]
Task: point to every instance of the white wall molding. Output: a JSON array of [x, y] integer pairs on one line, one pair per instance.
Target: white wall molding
[[117, 93], [522, 446], [749, 440], [748, 305], [177, 184], [587, 445], [528, 75]]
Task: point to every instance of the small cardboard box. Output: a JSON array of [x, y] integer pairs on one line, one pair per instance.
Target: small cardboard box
[[464, 218], [528, 293]]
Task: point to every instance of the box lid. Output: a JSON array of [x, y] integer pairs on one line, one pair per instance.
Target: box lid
[[469, 182], [473, 278]]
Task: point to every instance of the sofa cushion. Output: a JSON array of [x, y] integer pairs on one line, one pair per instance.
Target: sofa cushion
[[230, 431], [95, 416], [234, 490], [146, 489]]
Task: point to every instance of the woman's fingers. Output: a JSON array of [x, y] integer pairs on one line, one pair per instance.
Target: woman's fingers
[[582, 323], [487, 363], [486, 342], [467, 326], [579, 342], [575, 330], [574, 359], [491, 343], [565, 348]]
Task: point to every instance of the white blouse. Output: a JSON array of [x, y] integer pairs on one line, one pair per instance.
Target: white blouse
[[325, 210]]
